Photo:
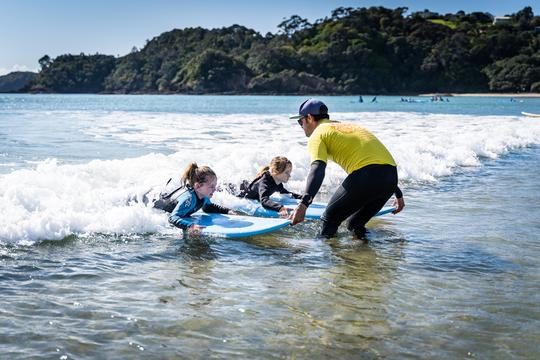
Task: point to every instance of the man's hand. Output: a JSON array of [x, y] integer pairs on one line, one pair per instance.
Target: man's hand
[[399, 204], [298, 214]]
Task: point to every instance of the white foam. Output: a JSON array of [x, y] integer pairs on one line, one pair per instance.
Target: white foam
[[51, 200], [425, 146]]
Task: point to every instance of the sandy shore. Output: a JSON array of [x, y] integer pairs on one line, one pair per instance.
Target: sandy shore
[[516, 95]]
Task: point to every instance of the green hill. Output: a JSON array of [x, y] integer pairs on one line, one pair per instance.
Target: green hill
[[365, 50], [16, 81]]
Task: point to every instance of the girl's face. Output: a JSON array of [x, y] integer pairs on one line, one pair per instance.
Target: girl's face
[[206, 189], [284, 176]]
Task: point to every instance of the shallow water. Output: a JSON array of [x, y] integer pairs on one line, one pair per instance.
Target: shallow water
[[82, 275]]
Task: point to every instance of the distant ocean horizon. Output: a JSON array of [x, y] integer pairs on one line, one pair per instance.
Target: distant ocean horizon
[[85, 273]]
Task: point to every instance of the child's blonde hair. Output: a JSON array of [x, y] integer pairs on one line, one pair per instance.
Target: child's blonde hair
[[197, 174], [277, 165]]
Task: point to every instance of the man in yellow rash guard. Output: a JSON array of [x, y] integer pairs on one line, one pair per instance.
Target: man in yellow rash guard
[[372, 173]]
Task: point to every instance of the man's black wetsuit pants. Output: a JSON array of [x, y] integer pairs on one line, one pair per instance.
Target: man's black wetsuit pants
[[361, 195]]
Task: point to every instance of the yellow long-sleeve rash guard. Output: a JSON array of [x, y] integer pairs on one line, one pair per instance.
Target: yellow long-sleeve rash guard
[[349, 145]]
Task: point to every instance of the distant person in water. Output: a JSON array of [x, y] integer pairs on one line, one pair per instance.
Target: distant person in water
[[372, 176], [200, 184], [374, 99], [269, 180], [360, 99]]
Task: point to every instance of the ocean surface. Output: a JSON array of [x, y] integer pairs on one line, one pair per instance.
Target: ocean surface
[[84, 273]]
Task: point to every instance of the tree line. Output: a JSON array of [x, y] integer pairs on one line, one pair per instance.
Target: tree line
[[353, 51]]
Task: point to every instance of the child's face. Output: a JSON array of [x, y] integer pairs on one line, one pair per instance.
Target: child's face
[[206, 189], [285, 175]]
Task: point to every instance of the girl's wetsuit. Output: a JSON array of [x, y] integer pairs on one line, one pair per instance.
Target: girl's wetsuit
[[188, 203], [261, 189]]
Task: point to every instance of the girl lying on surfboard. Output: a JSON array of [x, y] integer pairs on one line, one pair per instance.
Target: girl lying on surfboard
[[200, 184], [269, 180]]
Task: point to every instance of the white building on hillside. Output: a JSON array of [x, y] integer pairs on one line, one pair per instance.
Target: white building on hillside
[[498, 20]]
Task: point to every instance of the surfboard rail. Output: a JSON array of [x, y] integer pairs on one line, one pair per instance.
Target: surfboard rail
[[528, 114]]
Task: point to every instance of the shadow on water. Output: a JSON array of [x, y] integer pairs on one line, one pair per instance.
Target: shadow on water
[[198, 248], [380, 250]]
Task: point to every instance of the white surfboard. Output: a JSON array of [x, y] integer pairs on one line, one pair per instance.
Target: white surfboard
[[313, 212], [235, 226], [530, 114]]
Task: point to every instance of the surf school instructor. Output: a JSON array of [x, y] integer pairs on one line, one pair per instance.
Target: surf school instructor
[[372, 174]]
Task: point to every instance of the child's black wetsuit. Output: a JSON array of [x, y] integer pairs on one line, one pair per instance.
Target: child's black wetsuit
[[261, 189]]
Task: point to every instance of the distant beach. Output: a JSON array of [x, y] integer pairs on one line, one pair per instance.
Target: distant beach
[[520, 95]]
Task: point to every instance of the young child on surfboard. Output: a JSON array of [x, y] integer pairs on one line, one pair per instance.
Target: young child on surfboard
[[200, 185], [269, 180]]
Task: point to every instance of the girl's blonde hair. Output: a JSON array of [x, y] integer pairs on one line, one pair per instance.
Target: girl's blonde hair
[[197, 174], [277, 165]]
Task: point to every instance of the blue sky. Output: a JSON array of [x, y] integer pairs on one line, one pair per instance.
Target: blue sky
[[30, 29]]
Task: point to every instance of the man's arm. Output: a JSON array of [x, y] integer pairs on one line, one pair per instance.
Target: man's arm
[[313, 184], [314, 181]]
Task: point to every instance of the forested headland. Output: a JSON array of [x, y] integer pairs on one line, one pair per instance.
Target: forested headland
[[352, 51], [16, 81]]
